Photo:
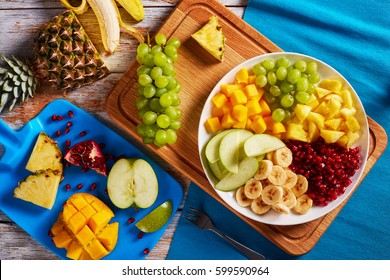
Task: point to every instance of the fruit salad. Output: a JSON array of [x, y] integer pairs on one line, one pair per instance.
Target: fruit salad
[[283, 107]]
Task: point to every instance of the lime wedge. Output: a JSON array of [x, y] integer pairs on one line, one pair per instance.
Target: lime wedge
[[156, 219]]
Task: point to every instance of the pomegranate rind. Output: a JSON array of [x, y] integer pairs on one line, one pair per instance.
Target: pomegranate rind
[[88, 155]]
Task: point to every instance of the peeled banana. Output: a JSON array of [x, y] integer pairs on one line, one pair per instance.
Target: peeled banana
[[109, 19]]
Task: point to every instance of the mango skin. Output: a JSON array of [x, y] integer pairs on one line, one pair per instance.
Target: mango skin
[[83, 228]]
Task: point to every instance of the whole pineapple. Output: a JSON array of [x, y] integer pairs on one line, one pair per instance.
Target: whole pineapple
[[63, 55]]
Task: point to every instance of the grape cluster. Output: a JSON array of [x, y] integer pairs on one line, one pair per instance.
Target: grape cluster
[[158, 100], [286, 84]]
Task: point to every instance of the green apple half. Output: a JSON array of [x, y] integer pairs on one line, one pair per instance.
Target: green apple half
[[132, 181]]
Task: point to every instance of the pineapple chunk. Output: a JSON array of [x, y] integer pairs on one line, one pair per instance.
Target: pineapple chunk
[[334, 106], [313, 132], [333, 123], [211, 38], [322, 92], [317, 119], [352, 124], [296, 132], [331, 84], [301, 111], [45, 155], [331, 136], [347, 97], [40, 188]]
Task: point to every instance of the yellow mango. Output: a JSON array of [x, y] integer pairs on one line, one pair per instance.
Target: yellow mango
[[251, 91], [265, 109], [212, 124], [227, 120], [62, 239], [240, 113], [251, 79], [228, 89], [96, 250], [219, 100], [239, 124], [258, 125], [217, 112], [85, 235], [74, 250], [278, 128], [108, 236], [242, 76], [238, 97], [253, 107]]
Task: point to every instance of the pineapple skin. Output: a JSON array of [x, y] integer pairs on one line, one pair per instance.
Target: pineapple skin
[[64, 55]]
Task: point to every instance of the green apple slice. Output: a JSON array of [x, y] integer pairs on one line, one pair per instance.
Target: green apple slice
[[217, 169], [246, 170], [259, 144], [212, 147], [132, 181], [156, 219], [229, 149]]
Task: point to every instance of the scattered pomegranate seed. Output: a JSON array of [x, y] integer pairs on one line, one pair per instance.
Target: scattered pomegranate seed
[[50, 234], [93, 186], [67, 163], [329, 169], [53, 117], [67, 187], [58, 133], [131, 220], [67, 129], [84, 169], [102, 145], [70, 114], [68, 124], [67, 143], [140, 235], [60, 118], [146, 251], [79, 186], [83, 133], [106, 191]]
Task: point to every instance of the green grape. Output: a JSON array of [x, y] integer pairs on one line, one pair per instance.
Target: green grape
[[149, 118], [172, 83], [141, 129], [175, 125], [156, 49], [293, 76], [161, 137], [268, 64], [160, 39], [163, 121], [278, 115], [271, 78], [155, 105], [143, 111], [141, 101], [156, 72], [147, 140], [139, 59], [140, 90], [286, 87], [275, 90], [302, 84], [148, 60], [177, 89], [287, 115], [312, 67], [161, 81], [287, 100], [259, 69], [310, 88], [175, 58], [142, 50], [144, 79], [143, 69], [172, 112], [171, 136], [160, 59], [170, 50], [149, 91], [174, 42], [160, 91], [169, 70], [301, 65], [169, 60], [150, 130], [261, 80], [282, 61], [281, 73], [175, 99], [314, 78], [302, 97], [166, 100], [269, 98]]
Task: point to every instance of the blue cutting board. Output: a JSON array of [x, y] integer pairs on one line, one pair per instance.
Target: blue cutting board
[[15, 149]]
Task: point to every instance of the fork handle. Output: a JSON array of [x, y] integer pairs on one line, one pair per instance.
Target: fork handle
[[252, 255]]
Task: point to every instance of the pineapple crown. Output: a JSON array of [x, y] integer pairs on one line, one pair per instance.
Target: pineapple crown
[[17, 82]]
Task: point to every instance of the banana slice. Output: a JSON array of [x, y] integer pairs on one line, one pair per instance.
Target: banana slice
[[241, 198], [253, 188], [265, 168], [301, 186], [269, 155], [258, 206], [289, 199], [281, 208], [304, 203], [277, 175], [271, 194], [291, 179], [283, 157]]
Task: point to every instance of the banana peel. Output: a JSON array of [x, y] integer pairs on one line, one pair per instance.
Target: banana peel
[[109, 19]]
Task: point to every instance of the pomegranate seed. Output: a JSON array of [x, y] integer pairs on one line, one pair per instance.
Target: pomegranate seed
[[67, 129], [50, 234], [83, 133], [70, 114], [79, 186], [58, 133], [106, 191], [146, 251], [102, 145], [67, 143], [53, 117], [84, 169], [93, 186], [140, 235], [131, 220], [60, 118], [68, 124], [67, 187]]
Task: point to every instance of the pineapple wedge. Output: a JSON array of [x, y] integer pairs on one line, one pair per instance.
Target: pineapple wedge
[[40, 188], [211, 38], [45, 155]]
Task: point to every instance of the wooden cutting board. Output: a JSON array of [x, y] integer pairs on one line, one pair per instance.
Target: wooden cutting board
[[198, 73]]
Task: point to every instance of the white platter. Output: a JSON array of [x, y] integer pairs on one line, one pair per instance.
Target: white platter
[[273, 217]]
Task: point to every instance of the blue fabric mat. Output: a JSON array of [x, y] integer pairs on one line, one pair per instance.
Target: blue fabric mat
[[353, 36]]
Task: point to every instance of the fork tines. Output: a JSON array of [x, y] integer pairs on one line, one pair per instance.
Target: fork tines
[[191, 214]]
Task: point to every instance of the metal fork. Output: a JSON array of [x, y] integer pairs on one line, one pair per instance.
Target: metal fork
[[203, 221]]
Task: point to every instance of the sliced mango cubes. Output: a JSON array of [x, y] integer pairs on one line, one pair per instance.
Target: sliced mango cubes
[[83, 228]]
